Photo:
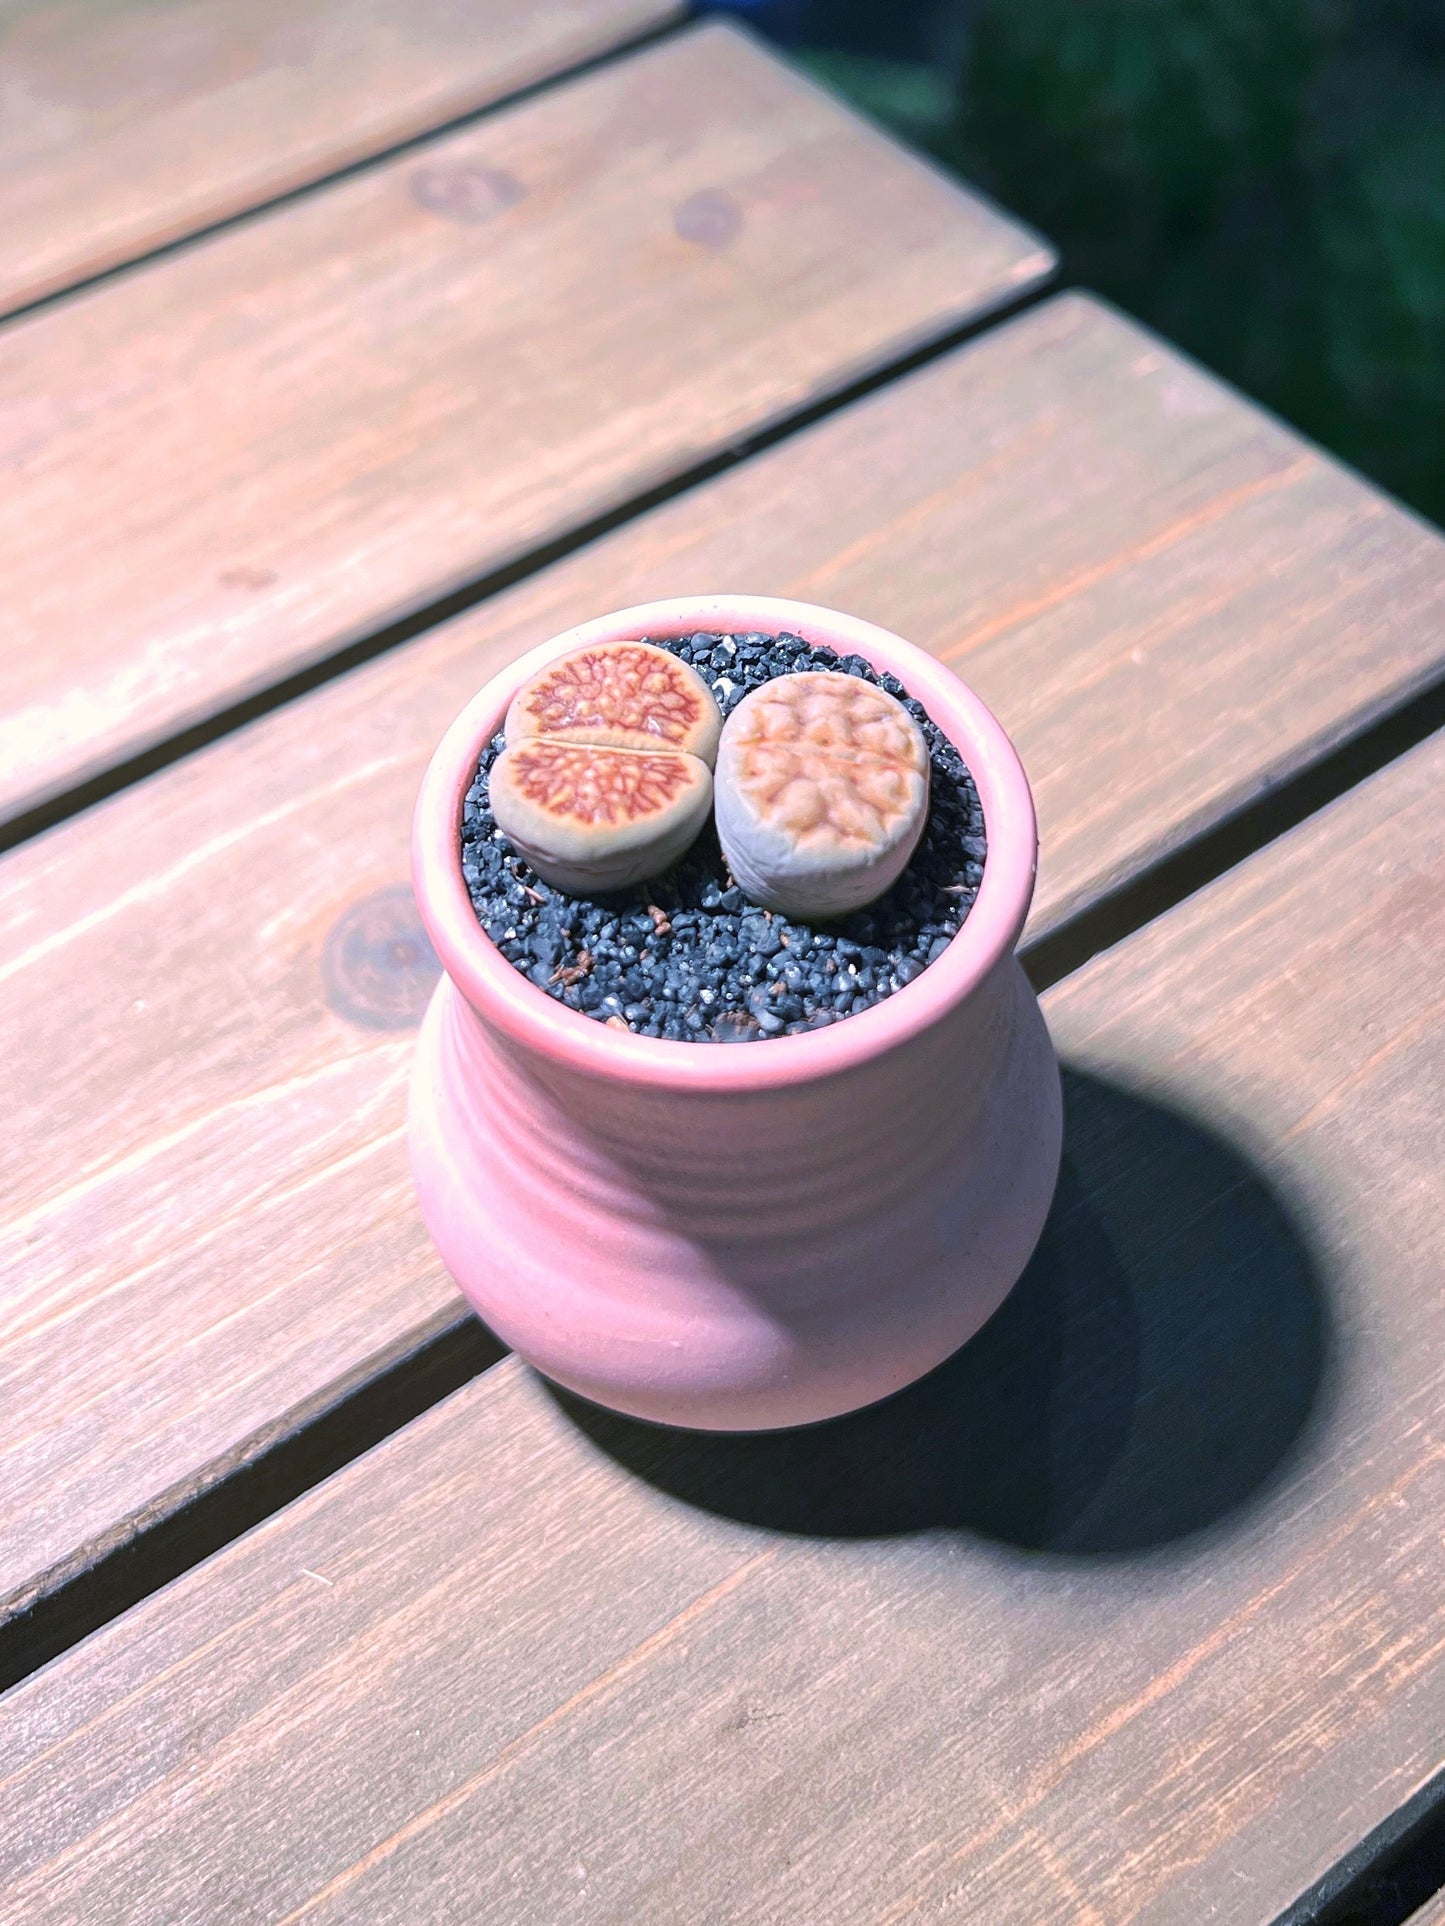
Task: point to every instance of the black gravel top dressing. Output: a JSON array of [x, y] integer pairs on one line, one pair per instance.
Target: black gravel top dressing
[[687, 956]]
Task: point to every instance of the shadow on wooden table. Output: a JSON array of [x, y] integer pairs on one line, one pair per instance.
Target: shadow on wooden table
[[1155, 1368]]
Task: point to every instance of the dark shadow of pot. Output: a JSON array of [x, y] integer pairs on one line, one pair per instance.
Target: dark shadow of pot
[[1154, 1370]]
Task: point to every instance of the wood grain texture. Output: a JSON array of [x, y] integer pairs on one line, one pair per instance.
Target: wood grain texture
[[124, 126], [248, 454], [209, 983], [1038, 1663]]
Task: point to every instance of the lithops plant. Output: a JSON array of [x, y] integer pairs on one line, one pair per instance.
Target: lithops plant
[[821, 793], [623, 695], [606, 777]]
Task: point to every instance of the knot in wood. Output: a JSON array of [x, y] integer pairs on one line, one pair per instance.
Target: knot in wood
[[377, 963]]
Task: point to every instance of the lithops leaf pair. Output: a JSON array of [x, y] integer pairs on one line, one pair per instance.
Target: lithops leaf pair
[[821, 787], [822, 793], [606, 777]]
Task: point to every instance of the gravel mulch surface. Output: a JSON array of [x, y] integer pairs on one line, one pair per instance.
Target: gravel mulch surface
[[687, 956]]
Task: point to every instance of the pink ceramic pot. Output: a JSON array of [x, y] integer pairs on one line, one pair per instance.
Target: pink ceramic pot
[[737, 1236]]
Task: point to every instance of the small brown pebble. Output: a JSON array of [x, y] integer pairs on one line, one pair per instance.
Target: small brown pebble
[[616, 1023], [574, 972], [660, 923]]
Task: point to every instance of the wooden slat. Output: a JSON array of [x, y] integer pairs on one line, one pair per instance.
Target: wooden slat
[[1432, 1913], [209, 1217], [124, 126], [1136, 1613], [250, 453]]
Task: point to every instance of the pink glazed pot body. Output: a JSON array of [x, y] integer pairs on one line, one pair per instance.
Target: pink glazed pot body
[[749, 1235]]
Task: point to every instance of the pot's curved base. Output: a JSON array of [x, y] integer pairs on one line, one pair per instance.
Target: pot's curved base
[[605, 1292]]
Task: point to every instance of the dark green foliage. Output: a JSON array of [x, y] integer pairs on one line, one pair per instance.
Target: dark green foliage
[[1142, 120], [1261, 180]]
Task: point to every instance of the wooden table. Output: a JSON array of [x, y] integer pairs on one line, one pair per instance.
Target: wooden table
[[354, 347]]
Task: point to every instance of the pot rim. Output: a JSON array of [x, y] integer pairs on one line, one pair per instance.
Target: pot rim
[[507, 1001]]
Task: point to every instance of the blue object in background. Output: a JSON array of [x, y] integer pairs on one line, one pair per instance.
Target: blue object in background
[[780, 20], [925, 30]]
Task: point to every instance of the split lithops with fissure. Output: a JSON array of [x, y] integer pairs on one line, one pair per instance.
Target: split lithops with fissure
[[606, 778]]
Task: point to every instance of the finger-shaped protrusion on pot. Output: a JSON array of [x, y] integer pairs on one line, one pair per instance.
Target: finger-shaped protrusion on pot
[[625, 695], [590, 818], [821, 793]]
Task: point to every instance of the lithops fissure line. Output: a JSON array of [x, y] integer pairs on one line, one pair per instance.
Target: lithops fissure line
[[821, 793], [624, 695], [591, 788], [606, 778]]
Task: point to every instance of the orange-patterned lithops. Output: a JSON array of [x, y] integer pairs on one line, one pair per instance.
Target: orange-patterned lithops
[[821, 792], [606, 776], [624, 695]]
